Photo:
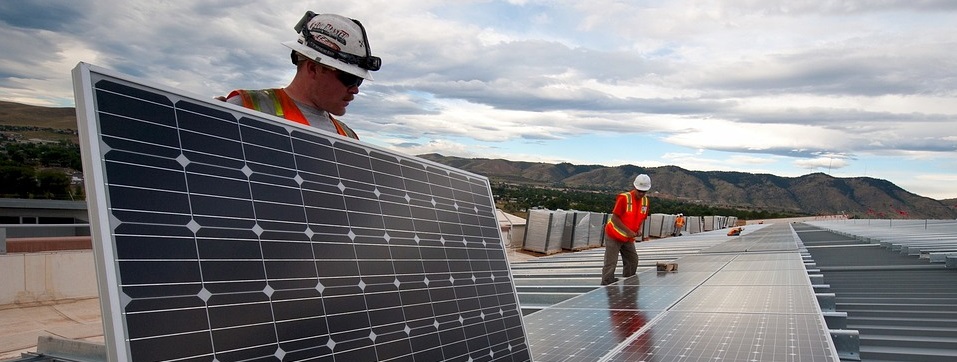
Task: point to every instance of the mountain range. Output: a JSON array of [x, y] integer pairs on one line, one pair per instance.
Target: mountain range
[[812, 194]]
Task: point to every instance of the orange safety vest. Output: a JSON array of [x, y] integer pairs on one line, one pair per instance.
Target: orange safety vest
[[283, 105], [631, 216]]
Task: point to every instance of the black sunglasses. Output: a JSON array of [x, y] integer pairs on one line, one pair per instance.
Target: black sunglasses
[[348, 79]]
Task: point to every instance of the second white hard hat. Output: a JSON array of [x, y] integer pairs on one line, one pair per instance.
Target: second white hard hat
[[642, 182]]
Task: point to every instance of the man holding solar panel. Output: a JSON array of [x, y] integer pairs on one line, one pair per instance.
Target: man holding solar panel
[[332, 57]]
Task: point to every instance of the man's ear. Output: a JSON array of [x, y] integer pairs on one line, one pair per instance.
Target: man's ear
[[316, 68]]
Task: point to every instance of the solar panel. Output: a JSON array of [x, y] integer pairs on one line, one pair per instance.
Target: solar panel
[[719, 305], [222, 234], [583, 334], [682, 336]]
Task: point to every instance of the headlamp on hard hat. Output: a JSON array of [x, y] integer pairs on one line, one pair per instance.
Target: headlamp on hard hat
[[367, 62]]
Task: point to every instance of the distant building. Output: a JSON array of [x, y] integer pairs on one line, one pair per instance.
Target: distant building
[[39, 211]]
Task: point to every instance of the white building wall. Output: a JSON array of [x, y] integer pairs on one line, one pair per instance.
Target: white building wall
[[42, 277]]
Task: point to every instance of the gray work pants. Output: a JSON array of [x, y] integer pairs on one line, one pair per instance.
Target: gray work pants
[[629, 260]]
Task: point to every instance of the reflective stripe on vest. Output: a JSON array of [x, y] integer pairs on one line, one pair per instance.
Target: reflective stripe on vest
[[631, 216], [277, 102]]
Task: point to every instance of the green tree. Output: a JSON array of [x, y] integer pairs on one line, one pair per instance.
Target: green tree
[[519, 198], [53, 184], [26, 170], [63, 154], [17, 181]]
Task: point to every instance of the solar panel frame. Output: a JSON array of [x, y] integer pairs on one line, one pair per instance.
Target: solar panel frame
[[415, 268]]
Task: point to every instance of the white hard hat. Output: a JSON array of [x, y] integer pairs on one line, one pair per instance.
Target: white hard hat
[[336, 41], [643, 182]]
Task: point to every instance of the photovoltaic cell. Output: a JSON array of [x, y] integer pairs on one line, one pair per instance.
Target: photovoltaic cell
[[225, 235]]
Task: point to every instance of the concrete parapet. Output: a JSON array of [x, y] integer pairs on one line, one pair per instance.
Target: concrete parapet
[[46, 277]]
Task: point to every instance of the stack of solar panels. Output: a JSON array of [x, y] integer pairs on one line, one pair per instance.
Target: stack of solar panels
[[661, 225], [592, 225], [539, 236], [730, 221], [655, 223], [715, 222], [587, 230], [563, 227], [596, 229], [536, 230], [694, 224]]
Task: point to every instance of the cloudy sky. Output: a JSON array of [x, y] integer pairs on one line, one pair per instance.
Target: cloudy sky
[[845, 87]]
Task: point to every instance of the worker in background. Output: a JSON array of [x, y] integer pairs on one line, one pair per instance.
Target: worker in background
[[679, 224], [332, 57], [624, 230]]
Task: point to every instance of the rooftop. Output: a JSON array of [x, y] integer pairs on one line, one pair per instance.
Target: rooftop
[[890, 283]]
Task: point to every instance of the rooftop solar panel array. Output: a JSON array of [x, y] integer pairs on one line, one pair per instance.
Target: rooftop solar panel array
[[748, 299], [221, 235]]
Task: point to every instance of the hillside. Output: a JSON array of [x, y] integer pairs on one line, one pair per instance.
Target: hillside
[[26, 122], [815, 194], [17, 114], [809, 194]]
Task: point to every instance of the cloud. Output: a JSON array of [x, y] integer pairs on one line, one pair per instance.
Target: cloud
[[760, 83], [827, 163], [49, 15]]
